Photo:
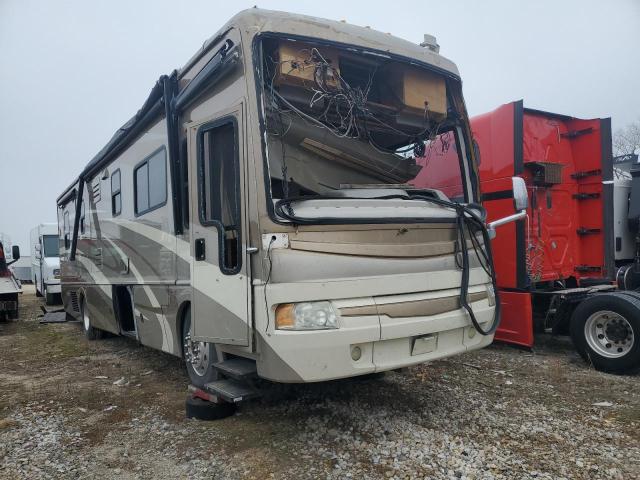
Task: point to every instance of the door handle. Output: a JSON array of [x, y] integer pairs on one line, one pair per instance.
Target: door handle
[[200, 249]]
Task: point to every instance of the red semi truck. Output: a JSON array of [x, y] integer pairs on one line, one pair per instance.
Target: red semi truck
[[556, 267]]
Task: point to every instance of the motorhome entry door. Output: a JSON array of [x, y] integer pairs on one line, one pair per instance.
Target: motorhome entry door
[[220, 273]]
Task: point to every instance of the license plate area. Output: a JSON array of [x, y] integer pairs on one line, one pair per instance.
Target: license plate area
[[424, 344]]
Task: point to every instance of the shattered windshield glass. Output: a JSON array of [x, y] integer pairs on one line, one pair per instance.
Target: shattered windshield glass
[[340, 121]]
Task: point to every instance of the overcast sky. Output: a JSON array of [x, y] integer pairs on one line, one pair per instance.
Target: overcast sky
[[72, 72]]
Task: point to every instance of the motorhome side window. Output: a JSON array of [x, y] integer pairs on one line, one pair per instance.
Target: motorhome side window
[[150, 183], [82, 217], [116, 195], [67, 230], [219, 189]]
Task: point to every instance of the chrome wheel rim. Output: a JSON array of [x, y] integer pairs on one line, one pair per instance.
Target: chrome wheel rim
[[85, 316], [609, 334], [196, 354]]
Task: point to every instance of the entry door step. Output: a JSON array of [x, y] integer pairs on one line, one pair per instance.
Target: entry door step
[[231, 390], [237, 367]]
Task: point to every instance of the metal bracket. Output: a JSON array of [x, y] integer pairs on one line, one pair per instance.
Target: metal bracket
[[275, 240], [588, 173], [587, 268], [585, 196], [587, 231], [576, 133]]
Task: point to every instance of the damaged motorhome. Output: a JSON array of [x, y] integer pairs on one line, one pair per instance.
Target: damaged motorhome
[[260, 214]]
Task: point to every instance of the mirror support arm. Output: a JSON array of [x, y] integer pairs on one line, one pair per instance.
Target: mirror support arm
[[491, 227]]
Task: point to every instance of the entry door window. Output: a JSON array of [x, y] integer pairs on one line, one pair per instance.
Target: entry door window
[[219, 188]]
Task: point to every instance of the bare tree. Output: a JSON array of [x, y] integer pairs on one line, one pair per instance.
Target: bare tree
[[626, 140]]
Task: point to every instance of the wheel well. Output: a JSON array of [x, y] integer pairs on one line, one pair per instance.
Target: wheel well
[[180, 316]]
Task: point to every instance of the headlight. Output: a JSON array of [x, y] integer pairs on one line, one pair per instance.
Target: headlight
[[56, 273], [306, 316]]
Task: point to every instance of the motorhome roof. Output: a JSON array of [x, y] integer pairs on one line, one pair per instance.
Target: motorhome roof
[[257, 21]]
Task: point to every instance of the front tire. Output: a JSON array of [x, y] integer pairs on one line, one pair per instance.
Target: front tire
[[199, 357], [90, 332], [605, 330]]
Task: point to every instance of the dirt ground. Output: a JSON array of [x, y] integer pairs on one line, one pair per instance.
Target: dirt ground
[[70, 408]]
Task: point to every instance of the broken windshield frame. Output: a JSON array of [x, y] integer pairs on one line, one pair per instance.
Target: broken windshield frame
[[328, 154]]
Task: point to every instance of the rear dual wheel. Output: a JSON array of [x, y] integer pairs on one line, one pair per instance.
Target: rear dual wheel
[[605, 330]]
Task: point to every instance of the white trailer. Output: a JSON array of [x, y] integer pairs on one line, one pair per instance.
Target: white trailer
[[10, 288], [45, 262], [5, 240]]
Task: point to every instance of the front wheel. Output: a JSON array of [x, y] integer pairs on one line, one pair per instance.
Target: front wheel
[[199, 357], [605, 330]]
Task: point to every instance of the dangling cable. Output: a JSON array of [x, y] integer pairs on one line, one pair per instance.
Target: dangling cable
[[467, 221]]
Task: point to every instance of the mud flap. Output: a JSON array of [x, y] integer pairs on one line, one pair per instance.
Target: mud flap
[[516, 324]]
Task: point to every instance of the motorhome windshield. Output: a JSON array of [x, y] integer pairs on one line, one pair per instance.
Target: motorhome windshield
[[346, 123], [50, 245]]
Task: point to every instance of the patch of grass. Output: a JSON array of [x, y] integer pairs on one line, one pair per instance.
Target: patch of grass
[[47, 342]]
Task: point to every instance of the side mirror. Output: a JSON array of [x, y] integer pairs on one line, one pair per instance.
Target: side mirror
[[520, 195], [520, 203], [15, 252]]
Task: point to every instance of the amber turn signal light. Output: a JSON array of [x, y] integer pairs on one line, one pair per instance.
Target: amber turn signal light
[[285, 317]]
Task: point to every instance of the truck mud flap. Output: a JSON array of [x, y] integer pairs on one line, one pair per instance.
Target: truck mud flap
[[516, 322]]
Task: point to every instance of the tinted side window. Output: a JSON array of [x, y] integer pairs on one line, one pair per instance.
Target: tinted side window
[[66, 225], [220, 189], [82, 215], [150, 183], [116, 194]]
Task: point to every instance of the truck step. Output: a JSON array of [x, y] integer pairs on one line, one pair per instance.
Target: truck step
[[237, 367], [231, 390]]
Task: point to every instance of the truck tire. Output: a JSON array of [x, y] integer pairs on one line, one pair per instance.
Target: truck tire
[[90, 332], [199, 357], [605, 330]]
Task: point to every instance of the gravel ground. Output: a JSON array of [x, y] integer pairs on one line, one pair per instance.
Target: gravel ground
[[111, 409]]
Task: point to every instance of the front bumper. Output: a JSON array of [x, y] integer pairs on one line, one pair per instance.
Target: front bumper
[[384, 344], [53, 286]]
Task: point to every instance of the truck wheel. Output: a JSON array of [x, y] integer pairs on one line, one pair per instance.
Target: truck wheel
[[49, 298], [90, 332], [605, 330], [199, 357]]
